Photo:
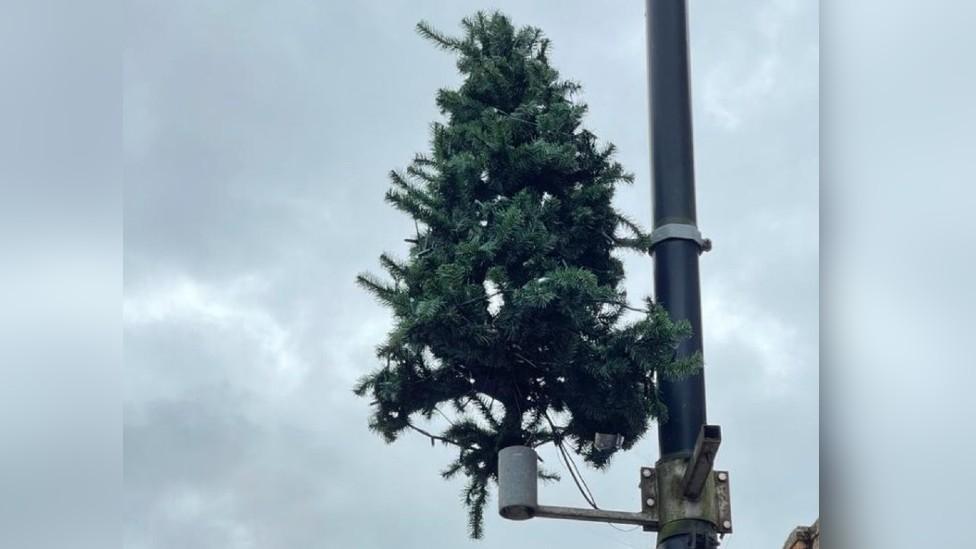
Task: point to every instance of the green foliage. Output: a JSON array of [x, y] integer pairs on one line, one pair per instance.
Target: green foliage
[[513, 205]]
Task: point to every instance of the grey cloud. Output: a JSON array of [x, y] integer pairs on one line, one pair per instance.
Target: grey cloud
[[258, 137]]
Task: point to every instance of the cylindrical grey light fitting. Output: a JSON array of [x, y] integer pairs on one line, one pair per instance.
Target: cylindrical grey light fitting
[[518, 476]]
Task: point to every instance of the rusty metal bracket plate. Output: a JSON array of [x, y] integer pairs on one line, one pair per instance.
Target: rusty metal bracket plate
[[649, 500], [724, 502]]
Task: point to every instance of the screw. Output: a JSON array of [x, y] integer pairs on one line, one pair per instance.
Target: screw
[[727, 524], [723, 476], [649, 502], [646, 473]]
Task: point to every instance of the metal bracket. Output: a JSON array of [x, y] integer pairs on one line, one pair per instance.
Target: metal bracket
[[663, 504], [714, 504], [724, 501], [702, 459], [682, 231], [689, 489], [649, 498]]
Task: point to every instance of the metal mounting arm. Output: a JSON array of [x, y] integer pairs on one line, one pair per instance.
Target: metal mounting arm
[[518, 473], [702, 459], [666, 490], [649, 522]]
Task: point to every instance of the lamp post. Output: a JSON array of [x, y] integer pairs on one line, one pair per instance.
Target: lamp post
[[679, 243]]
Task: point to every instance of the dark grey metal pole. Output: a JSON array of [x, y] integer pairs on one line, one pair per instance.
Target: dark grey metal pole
[[676, 277]]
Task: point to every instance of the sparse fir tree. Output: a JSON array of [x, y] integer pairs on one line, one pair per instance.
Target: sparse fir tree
[[509, 310]]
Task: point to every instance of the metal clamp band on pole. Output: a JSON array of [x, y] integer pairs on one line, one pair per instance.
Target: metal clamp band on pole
[[681, 231]]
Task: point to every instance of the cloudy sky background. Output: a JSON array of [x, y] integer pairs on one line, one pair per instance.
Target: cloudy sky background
[[257, 137]]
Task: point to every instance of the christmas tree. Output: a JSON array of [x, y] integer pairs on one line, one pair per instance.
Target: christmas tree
[[509, 325]]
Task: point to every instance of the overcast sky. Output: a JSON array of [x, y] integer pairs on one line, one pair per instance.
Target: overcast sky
[[258, 136]]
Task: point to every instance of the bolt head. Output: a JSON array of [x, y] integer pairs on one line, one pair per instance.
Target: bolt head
[[727, 524], [723, 476], [646, 473], [650, 502]]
